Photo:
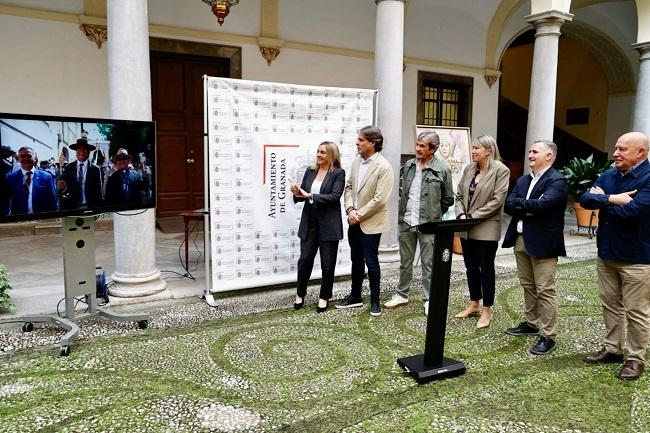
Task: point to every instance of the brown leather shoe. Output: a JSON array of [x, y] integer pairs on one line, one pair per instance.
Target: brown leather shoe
[[631, 370], [603, 356]]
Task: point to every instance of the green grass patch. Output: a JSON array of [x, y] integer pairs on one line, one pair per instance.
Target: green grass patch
[[335, 372]]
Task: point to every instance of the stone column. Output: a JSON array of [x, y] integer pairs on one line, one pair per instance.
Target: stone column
[[642, 101], [129, 86], [389, 63], [541, 108]]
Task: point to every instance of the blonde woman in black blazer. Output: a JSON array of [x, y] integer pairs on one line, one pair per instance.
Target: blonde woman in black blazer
[[482, 191], [321, 227]]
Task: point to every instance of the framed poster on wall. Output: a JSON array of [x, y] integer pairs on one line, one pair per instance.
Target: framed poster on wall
[[455, 149]]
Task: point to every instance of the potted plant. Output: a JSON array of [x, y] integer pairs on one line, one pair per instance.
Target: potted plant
[[580, 175], [6, 304]]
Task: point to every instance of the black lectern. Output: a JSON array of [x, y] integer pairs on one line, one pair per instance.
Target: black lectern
[[432, 364]]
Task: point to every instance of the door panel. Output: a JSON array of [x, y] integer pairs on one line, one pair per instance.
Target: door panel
[[170, 98], [173, 147], [171, 124], [177, 91]]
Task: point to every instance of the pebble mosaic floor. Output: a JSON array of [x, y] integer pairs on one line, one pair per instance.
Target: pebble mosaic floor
[[198, 369]]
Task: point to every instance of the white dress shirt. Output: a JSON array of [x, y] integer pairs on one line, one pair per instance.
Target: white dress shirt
[[520, 223]]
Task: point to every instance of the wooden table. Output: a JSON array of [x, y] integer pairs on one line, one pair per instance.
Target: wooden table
[[189, 215]]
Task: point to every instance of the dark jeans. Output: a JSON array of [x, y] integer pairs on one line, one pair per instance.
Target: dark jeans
[[479, 261], [328, 253], [364, 252]]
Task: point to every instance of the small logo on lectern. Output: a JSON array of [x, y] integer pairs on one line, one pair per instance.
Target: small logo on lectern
[[445, 255]]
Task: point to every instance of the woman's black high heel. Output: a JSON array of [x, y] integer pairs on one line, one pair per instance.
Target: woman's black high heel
[[299, 305], [320, 309]]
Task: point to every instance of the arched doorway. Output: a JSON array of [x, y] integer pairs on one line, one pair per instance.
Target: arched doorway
[[581, 101]]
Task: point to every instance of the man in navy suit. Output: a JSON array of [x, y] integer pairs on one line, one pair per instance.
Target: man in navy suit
[[29, 190], [81, 183], [537, 204]]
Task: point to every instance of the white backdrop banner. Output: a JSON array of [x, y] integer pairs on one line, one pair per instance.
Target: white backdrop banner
[[259, 135]]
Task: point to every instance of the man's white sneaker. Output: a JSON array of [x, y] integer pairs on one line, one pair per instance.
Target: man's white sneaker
[[426, 308], [396, 301]]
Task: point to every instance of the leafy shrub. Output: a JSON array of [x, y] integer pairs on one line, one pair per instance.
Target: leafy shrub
[[581, 174], [5, 300]]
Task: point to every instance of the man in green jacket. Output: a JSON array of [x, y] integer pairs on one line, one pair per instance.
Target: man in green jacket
[[426, 192]]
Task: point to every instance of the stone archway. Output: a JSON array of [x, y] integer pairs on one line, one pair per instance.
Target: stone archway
[[503, 14], [591, 69]]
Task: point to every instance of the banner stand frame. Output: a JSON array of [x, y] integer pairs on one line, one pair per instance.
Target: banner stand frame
[[208, 296], [211, 286]]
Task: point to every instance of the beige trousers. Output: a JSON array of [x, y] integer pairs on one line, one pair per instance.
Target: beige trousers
[[625, 297], [537, 277]]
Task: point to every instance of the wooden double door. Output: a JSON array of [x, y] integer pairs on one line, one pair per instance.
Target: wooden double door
[[177, 98]]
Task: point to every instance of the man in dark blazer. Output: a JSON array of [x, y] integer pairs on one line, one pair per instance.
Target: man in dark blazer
[[81, 183], [124, 186], [536, 231], [29, 190]]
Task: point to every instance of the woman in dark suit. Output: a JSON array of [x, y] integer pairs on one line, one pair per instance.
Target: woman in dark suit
[[321, 226], [482, 191]]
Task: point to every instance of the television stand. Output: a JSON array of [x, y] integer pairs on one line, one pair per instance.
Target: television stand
[[80, 280]]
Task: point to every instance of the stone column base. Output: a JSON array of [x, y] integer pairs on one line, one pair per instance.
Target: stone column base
[[132, 286], [159, 296], [389, 256]]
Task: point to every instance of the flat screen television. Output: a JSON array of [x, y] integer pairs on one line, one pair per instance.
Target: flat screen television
[[52, 166]]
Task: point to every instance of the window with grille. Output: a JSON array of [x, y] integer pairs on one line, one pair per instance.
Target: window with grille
[[444, 100]]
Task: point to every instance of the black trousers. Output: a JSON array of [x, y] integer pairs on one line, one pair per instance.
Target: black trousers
[[479, 261], [364, 252], [328, 253]]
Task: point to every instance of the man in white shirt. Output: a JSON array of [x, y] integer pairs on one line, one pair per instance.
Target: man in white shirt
[[536, 231], [425, 195], [367, 191], [81, 184]]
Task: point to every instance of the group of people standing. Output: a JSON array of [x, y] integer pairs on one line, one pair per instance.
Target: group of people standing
[[536, 205], [366, 193], [28, 189]]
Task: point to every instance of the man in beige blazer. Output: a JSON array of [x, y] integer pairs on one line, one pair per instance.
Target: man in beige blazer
[[367, 191]]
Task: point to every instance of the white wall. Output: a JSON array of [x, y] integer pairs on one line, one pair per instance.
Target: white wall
[[433, 30], [333, 23], [643, 8], [619, 119], [68, 6], [484, 109], [243, 19], [513, 28], [300, 67], [618, 20], [51, 68]]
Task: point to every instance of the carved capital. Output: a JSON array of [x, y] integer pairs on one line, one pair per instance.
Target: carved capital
[[269, 53], [490, 79], [644, 50], [95, 33], [491, 76], [549, 23]]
